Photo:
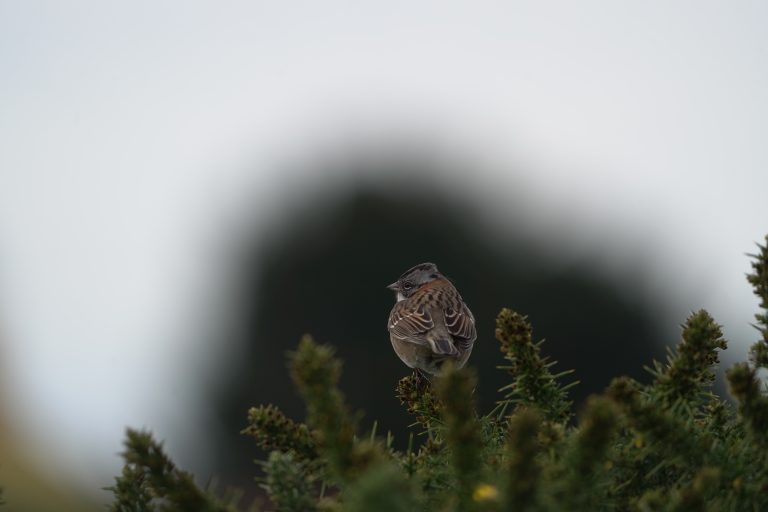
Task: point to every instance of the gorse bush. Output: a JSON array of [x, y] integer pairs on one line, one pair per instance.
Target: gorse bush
[[670, 444]]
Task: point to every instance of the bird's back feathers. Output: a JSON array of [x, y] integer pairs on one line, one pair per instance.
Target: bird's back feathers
[[435, 315]]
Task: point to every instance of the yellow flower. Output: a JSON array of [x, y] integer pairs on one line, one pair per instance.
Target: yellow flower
[[485, 492]]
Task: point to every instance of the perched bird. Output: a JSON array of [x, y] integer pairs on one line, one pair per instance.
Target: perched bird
[[429, 324]]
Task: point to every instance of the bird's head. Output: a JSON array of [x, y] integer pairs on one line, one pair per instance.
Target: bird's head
[[413, 279]]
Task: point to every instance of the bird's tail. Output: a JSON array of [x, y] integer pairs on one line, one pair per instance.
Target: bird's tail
[[444, 346]]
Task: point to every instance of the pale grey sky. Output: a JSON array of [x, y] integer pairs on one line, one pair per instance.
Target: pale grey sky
[[126, 126]]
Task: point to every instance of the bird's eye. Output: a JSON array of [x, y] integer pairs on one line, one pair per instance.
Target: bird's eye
[[407, 286]]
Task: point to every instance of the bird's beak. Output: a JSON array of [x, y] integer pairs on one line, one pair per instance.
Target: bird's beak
[[392, 286]]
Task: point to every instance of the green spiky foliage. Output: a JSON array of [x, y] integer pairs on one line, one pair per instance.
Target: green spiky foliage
[[669, 445], [272, 430], [462, 431], [151, 481], [532, 382], [289, 485], [759, 281], [523, 454], [743, 379]]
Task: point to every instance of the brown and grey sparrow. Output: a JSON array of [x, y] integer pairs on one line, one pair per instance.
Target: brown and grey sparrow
[[430, 324]]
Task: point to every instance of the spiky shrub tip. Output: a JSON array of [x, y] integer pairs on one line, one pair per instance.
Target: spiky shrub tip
[[151, 481], [455, 388], [289, 485], [533, 384], [272, 430], [419, 399]]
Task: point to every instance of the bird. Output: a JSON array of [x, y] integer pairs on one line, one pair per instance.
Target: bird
[[429, 324]]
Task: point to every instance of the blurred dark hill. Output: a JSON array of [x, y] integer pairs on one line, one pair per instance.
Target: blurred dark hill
[[324, 269]]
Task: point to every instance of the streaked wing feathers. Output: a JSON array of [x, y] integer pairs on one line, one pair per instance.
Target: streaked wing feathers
[[461, 324], [409, 324]]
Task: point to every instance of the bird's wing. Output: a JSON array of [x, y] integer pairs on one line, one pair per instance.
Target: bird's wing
[[410, 324], [461, 324]]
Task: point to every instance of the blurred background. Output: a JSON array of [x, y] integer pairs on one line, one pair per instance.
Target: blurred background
[[186, 188]]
